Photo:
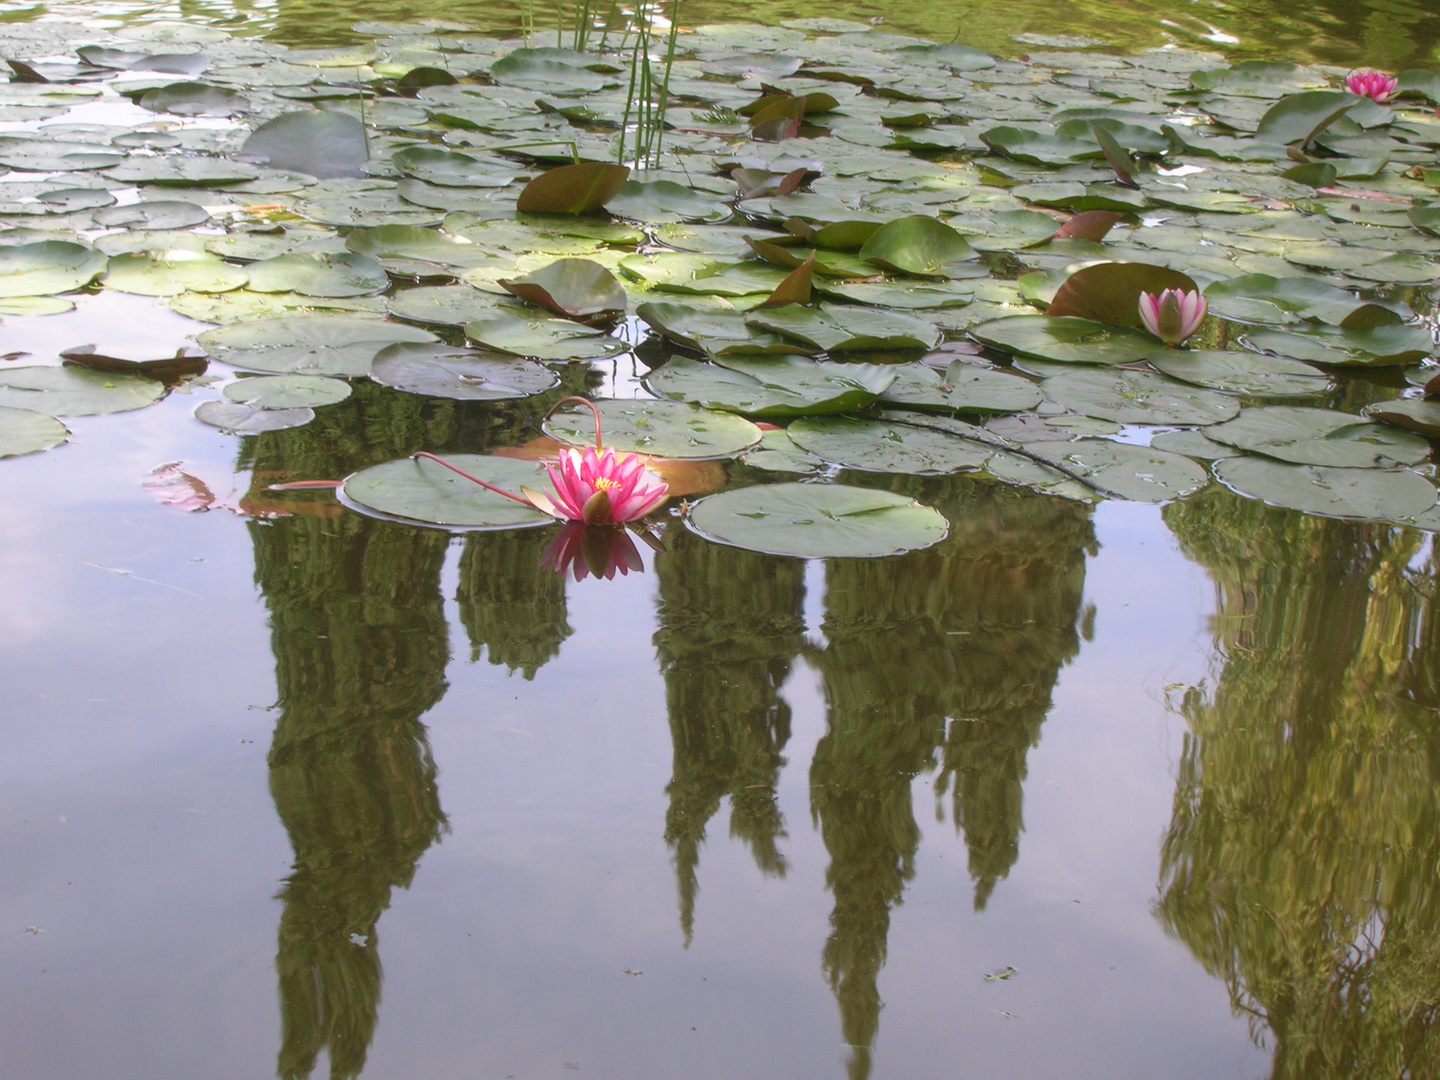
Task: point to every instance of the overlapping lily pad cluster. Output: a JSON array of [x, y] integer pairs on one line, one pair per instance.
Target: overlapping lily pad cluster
[[851, 238]]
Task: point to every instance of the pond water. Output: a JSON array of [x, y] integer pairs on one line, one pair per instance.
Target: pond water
[[1115, 790]]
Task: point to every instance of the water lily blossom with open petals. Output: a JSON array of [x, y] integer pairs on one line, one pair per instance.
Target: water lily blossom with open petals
[[599, 488], [1173, 315], [1376, 85]]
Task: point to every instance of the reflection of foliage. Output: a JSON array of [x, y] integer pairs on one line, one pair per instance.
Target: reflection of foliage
[[1300, 861], [730, 624], [952, 653], [510, 603]]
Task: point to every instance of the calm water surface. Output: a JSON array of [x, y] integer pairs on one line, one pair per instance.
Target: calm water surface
[[1118, 793]]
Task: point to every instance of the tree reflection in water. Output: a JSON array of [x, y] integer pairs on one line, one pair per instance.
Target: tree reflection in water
[[1300, 862]]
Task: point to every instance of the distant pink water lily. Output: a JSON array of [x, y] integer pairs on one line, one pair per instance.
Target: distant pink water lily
[[1173, 315], [600, 488], [1376, 85], [592, 549]]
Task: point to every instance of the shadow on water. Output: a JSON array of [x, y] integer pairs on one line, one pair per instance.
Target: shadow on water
[[941, 660], [1300, 862]]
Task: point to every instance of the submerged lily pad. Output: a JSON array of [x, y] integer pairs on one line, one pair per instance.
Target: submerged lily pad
[[772, 387], [1364, 494], [667, 429], [1320, 437], [76, 391], [287, 391], [242, 419], [449, 371], [425, 491], [25, 431], [817, 521]]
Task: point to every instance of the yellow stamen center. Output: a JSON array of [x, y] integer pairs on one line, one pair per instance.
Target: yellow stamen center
[[605, 483]]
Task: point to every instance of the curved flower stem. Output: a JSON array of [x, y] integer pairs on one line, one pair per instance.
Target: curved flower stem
[[468, 476], [599, 444]]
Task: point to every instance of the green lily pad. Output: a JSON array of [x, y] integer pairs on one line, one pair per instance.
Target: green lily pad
[[779, 453], [1110, 292], [156, 214], [1380, 346], [541, 337], [772, 387], [448, 371], [76, 391], [551, 71], [1300, 117], [1412, 414], [47, 267], [1363, 494], [1138, 473], [667, 429], [242, 419], [453, 168], [169, 273], [664, 201], [319, 274], [425, 491], [573, 288], [1137, 397], [817, 521], [36, 305], [287, 391], [414, 242], [1263, 298], [1251, 374], [1306, 436], [887, 446], [1195, 444], [962, 388], [323, 143], [25, 431], [1038, 147], [918, 245], [444, 305], [846, 328], [1067, 340], [340, 345]]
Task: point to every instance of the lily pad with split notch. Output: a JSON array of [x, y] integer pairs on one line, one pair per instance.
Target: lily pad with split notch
[[76, 391], [667, 429], [444, 305], [1247, 373], [194, 99], [817, 521], [25, 431], [1362, 494], [239, 419], [541, 337], [288, 391], [968, 388], [1306, 436], [427, 492], [889, 446], [663, 202], [573, 189], [1137, 397], [340, 345], [847, 328], [572, 288], [771, 387], [1110, 292], [919, 245], [1137, 473], [448, 371]]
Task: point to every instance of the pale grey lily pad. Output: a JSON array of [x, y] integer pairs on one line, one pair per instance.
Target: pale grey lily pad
[[155, 214], [846, 328], [425, 491], [449, 371], [962, 388], [1306, 436], [413, 242], [46, 155], [169, 273], [319, 274], [444, 305], [1138, 473], [772, 387], [664, 201], [888, 446], [818, 521], [288, 391], [47, 267], [76, 391], [1363, 494], [1065, 340], [1138, 397], [241, 419], [454, 168], [1414, 414], [182, 172], [319, 142], [1195, 444], [70, 200], [194, 99], [541, 337], [1251, 374], [340, 345], [25, 431], [668, 429], [36, 305]]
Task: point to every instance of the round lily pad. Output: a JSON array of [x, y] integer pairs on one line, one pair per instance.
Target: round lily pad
[[666, 429], [444, 305], [307, 344], [76, 391], [887, 446], [1195, 444], [47, 267], [817, 521], [1365, 494], [157, 214], [1320, 437], [241, 419], [541, 337], [464, 374], [1252, 374], [169, 273], [319, 274], [962, 388], [1137, 397], [1065, 340], [194, 99], [288, 391], [425, 491], [25, 431], [1138, 473], [772, 386]]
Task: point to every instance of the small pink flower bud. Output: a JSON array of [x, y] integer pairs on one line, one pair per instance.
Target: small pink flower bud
[[1173, 315]]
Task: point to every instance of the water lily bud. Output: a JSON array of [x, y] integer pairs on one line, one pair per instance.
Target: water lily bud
[[1173, 315]]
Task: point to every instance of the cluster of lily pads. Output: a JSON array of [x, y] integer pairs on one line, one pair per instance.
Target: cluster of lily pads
[[860, 253]]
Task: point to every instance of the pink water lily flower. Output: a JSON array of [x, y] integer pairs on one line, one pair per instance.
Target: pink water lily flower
[[1376, 85], [600, 488], [1173, 315], [592, 549]]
